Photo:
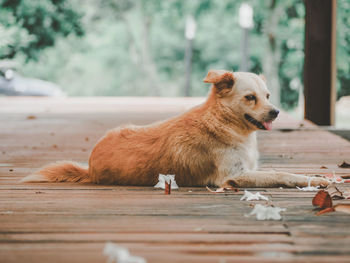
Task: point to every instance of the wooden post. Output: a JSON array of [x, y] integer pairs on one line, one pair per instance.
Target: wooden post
[[319, 65]]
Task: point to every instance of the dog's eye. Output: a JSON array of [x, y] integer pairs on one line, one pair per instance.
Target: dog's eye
[[268, 96], [250, 97]]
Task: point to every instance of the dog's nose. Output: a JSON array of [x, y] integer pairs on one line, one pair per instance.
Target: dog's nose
[[274, 113]]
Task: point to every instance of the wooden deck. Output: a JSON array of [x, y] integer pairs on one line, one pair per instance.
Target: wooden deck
[[72, 222]]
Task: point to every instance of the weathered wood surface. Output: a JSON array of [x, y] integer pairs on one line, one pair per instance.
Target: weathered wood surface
[[72, 222]]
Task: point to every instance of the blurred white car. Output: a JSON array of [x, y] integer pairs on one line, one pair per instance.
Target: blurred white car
[[13, 84]]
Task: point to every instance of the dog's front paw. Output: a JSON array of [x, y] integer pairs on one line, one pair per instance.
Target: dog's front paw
[[293, 180], [319, 181]]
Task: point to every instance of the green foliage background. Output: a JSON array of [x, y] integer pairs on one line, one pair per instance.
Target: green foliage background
[[137, 47]]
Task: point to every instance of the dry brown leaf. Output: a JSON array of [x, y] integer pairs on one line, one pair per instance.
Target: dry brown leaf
[[338, 191], [322, 199], [344, 190], [222, 190], [333, 191], [344, 165]]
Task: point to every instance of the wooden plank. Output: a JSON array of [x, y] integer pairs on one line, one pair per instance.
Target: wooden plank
[[319, 65], [59, 252], [69, 222]]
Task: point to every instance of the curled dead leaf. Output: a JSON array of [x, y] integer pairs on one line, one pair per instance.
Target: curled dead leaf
[[322, 199], [338, 191]]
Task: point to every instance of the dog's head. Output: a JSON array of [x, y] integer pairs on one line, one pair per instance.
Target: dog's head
[[245, 95]]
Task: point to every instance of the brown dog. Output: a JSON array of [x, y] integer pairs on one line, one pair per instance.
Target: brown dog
[[212, 144]]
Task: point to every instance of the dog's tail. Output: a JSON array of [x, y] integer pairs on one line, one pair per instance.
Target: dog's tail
[[59, 172]]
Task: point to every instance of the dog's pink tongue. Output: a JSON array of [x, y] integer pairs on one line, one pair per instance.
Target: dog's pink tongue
[[268, 125]]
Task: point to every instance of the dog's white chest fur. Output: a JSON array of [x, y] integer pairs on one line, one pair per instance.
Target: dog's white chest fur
[[233, 161]]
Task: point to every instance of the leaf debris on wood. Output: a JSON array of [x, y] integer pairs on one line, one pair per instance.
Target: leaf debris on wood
[[267, 212], [249, 196], [338, 191], [169, 178], [119, 254], [322, 199], [344, 165]]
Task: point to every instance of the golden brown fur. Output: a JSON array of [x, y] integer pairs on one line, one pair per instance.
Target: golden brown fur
[[180, 146]]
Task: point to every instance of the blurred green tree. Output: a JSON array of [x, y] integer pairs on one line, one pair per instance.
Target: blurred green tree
[[281, 25], [28, 26], [137, 47], [343, 48]]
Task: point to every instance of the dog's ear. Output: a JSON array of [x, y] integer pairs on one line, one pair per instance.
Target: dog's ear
[[263, 77], [223, 80]]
